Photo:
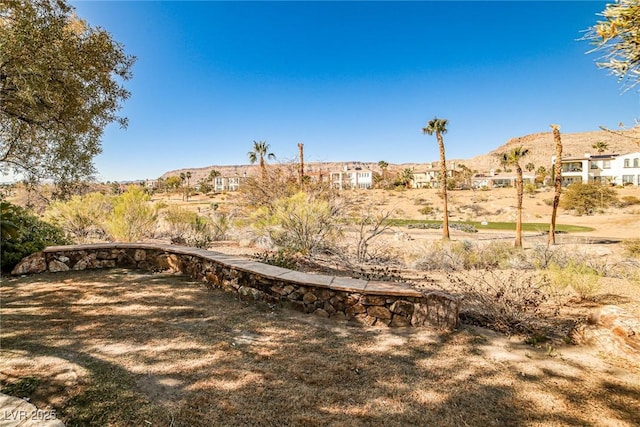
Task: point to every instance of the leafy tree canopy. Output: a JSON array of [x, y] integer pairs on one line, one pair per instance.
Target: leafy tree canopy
[[60, 85], [617, 34]]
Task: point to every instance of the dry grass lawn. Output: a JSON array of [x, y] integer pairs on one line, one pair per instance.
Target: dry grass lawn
[[123, 348]]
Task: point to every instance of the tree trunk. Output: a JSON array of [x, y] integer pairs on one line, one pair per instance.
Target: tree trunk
[[263, 169], [443, 180], [557, 172], [301, 154], [520, 192]]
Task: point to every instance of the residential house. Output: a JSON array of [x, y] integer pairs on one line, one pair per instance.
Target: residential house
[[430, 177], [498, 180], [616, 169], [228, 183], [351, 178]]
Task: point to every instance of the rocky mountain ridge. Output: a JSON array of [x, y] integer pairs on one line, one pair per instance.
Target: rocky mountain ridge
[[540, 145]]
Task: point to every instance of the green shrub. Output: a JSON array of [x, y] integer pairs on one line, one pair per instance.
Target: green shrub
[[586, 199], [82, 218], [300, 223], [133, 216], [584, 280], [24, 234]]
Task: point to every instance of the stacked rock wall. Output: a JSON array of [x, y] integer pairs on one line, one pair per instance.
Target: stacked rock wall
[[367, 302]]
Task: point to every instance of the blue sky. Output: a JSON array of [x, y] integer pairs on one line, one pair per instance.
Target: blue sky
[[350, 80]]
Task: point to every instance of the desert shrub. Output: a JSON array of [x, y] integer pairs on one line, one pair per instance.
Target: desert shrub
[[133, 216], [467, 228], [530, 189], [585, 199], [632, 247], [629, 201], [189, 228], [179, 220], [82, 218], [426, 210], [465, 255], [584, 280], [301, 223], [23, 234], [280, 258], [510, 302]]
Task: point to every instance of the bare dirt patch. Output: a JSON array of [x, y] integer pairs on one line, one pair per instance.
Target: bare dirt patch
[[126, 348]]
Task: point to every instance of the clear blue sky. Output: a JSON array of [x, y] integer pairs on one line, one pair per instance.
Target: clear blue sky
[[351, 80]]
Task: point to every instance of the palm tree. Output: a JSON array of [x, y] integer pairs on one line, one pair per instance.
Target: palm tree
[[406, 176], [259, 152], [188, 176], [600, 146], [557, 175], [530, 167], [439, 127], [183, 178], [383, 166], [512, 158], [301, 155]]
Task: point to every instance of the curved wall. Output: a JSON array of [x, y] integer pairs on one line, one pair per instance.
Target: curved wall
[[367, 302]]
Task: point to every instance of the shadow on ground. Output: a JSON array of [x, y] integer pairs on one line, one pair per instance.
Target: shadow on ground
[[126, 348]]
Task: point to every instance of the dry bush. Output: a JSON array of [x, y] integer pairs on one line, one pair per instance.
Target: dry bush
[[510, 302], [465, 255], [632, 247]]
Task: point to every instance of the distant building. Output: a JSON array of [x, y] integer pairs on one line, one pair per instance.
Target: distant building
[[616, 169], [496, 180], [430, 177], [351, 178], [228, 183]]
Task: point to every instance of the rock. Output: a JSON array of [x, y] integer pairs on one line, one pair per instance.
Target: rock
[[320, 312], [88, 261], [56, 266], [365, 319], [379, 312], [309, 298], [373, 300], [34, 263], [355, 309], [613, 331], [402, 307], [350, 300], [140, 255], [399, 321]]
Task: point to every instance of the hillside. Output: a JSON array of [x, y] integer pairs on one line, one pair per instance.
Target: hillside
[[540, 146]]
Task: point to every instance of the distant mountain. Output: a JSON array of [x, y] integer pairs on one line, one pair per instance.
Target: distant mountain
[[540, 145]]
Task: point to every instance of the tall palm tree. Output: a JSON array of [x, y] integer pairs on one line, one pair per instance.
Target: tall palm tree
[[557, 176], [439, 127], [600, 146], [383, 166], [259, 152], [188, 176], [301, 170], [512, 158]]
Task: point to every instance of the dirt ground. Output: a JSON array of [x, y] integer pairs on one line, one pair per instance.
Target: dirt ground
[[121, 348]]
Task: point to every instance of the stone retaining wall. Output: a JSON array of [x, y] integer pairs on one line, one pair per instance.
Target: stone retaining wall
[[367, 302]]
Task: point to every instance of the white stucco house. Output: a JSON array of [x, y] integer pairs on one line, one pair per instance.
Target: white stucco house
[[351, 178], [616, 169]]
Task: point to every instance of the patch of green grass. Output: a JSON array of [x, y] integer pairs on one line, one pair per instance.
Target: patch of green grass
[[526, 226]]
